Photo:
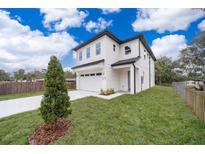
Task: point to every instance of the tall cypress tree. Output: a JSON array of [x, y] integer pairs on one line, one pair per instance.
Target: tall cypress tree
[[56, 102]]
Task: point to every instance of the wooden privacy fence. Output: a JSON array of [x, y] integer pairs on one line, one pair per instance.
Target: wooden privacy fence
[[26, 87], [20, 87], [196, 100]]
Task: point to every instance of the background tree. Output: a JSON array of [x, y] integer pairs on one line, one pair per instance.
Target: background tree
[[192, 58], [55, 103], [69, 74], [4, 76], [163, 70], [39, 74], [168, 71], [19, 75], [30, 76]]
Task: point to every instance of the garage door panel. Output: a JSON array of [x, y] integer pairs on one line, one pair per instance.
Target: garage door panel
[[90, 83]]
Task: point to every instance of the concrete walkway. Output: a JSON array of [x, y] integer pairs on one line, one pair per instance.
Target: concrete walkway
[[14, 106]]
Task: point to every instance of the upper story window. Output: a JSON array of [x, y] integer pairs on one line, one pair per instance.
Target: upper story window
[[127, 50], [80, 55], [88, 52], [145, 54], [114, 46], [98, 48]]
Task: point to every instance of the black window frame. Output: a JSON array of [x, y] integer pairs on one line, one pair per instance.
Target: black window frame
[[114, 47], [98, 48], [127, 50], [80, 55], [98, 74], [87, 52]]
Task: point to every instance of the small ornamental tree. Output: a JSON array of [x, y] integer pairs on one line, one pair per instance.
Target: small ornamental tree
[[56, 102]]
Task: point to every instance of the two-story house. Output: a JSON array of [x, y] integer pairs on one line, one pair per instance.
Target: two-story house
[[105, 61]]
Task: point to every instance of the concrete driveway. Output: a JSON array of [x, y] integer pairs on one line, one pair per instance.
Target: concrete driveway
[[14, 106]]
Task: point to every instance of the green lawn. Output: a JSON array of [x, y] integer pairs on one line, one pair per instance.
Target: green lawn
[[20, 95], [155, 116]]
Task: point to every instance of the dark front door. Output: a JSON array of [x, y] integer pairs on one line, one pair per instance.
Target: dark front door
[[128, 78]]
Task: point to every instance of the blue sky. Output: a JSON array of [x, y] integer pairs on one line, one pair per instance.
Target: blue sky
[[167, 31]]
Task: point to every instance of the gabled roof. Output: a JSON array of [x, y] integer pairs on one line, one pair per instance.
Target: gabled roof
[[109, 34], [105, 32], [88, 64], [126, 61]]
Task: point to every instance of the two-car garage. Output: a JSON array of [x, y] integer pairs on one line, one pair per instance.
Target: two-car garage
[[90, 81], [90, 76]]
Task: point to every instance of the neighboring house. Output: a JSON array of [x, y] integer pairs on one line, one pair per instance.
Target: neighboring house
[[105, 61]]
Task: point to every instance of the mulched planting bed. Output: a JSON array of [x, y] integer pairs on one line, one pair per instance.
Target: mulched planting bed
[[48, 133]]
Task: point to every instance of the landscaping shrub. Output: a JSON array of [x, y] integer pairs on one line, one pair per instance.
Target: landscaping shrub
[[56, 102], [101, 92], [108, 91]]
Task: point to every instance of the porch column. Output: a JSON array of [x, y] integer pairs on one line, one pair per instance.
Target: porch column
[[132, 79], [77, 80]]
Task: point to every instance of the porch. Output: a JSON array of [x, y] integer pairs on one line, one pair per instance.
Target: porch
[[126, 77]]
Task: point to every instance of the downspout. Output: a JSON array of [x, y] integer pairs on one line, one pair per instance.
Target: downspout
[[139, 47], [149, 73], [139, 55], [134, 78]]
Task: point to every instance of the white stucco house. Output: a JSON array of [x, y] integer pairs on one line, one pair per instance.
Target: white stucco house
[[105, 61]]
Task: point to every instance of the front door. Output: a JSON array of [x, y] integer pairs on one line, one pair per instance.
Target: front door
[[128, 77]]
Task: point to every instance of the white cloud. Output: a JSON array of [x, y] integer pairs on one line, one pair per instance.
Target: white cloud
[[163, 20], [74, 55], [201, 25], [98, 26], [20, 47], [60, 19], [90, 25], [169, 45], [110, 10]]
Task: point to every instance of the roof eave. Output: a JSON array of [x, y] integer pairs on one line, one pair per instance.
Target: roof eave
[[88, 64], [123, 63], [143, 40], [101, 34], [126, 62]]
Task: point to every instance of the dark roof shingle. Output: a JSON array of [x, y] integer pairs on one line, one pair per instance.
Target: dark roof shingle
[[88, 64], [126, 61]]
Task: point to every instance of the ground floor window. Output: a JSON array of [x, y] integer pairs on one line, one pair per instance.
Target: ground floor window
[[92, 74], [98, 74]]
